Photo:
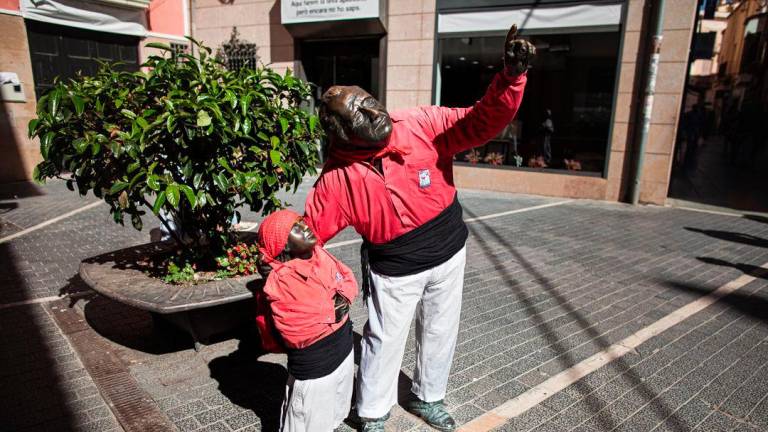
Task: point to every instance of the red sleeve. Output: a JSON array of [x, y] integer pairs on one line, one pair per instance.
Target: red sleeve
[[296, 316], [326, 209], [457, 129]]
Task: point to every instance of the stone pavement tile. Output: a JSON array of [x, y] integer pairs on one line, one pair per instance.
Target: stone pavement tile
[[526, 421], [462, 395], [716, 422], [499, 395], [216, 427], [50, 389], [466, 412]]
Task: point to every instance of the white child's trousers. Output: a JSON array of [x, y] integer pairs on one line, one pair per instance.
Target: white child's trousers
[[321, 404], [435, 296]]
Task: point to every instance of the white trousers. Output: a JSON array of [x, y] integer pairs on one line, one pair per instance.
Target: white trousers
[[435, 296], [321, 404]]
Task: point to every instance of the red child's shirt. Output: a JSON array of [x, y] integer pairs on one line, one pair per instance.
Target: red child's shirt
[[300, 294]]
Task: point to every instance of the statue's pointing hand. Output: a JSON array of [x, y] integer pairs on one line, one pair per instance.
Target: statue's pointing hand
[[518, 53]]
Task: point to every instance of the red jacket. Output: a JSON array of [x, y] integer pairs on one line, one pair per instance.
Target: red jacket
[[418, 186], [300, 295]]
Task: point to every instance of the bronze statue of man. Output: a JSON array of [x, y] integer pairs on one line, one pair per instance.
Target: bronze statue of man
[[390, 176]]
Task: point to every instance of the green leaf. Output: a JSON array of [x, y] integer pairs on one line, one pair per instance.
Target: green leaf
[[271, 180], [275, 141], [79, 103], [245, 103], [128, 114], [172, 194], [275, 156], [247, 126], [32, 127], [221, 182], [117, 187], [136, 222], [312, 123], [170, 123], [224, 164], [54, 102], [159, 45], [133, 167], [203, 119], [159, 201], [153, 183], [142, 122], [36, 175], [80, 145], [197, 180], [45, 144], [190, 194], [284, 124], [229, 96]]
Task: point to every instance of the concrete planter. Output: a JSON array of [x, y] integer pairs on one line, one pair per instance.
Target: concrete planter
[[202, 310]]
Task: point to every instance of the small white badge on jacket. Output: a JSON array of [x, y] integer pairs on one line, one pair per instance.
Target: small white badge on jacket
[[339, 277], [424, 180]]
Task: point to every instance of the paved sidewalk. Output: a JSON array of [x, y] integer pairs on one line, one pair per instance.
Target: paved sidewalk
[[549, 284]]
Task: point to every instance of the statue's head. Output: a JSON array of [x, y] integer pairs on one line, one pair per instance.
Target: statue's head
[[354, 118], [284, 235]]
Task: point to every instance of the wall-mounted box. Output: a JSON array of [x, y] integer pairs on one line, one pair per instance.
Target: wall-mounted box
[[11, 89]]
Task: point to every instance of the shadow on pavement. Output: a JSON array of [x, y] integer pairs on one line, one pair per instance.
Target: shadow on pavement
[[480, 231], [33, 393], [756, 218], [746, 239], [250, 383], [133, 328], [748, 269], [751, 305], [17, 190]]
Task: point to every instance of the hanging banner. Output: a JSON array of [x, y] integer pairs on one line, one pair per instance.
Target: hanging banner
[[305, 11], [86, 16]]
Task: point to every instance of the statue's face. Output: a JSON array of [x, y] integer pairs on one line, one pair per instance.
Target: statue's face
[[365, 121], [301, 240]]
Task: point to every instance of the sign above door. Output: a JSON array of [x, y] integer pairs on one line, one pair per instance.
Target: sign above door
[[307, 11]]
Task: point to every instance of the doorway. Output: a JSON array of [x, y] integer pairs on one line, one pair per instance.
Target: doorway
[[343, 62]]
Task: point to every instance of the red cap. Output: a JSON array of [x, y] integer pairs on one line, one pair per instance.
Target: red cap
[[274, 231]]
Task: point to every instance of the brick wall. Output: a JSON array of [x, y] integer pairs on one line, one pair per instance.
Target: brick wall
[[19, 153]]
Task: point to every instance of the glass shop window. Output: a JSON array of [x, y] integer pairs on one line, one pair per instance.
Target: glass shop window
[[564, 121]]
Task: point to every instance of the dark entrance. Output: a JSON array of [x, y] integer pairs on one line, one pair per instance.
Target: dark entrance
[[347, 62], [59, 51], [722, 142]]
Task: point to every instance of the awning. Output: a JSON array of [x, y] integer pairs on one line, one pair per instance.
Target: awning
[[96, 17], [577, 18]]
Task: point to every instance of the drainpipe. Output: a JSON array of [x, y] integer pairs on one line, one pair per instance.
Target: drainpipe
[[650, 89]]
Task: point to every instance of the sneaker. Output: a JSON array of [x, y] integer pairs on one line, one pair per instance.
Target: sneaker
[[433, 413]]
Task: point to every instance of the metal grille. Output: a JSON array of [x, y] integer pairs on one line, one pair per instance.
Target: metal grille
[[238, 54], [179, 48]]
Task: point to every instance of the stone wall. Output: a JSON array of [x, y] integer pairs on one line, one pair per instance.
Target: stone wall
[[410, 53]]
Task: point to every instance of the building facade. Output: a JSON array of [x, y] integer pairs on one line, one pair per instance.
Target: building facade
[[588, 76], [575, 134], [46, 39]]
